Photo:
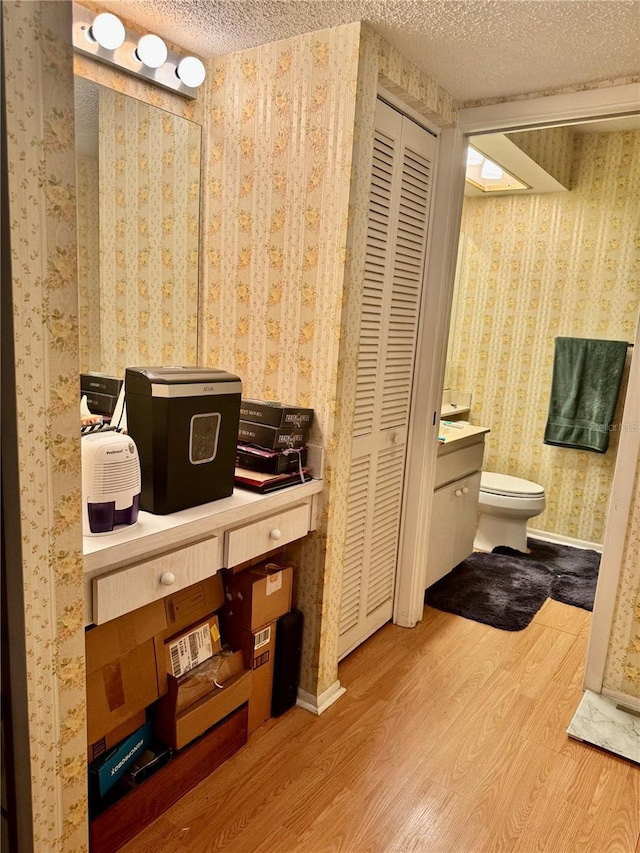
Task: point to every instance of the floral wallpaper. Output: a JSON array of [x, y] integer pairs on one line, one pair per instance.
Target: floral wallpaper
[[622, 667], [40, 143], [149, 203], [281, 134], [412, 86], [290, 140], [88, 237], [552, 149], [532, 268]]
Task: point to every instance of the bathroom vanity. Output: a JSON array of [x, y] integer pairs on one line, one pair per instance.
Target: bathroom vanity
[[455, 499]]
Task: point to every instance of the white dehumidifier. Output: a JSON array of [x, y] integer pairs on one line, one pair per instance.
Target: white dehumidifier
[[111, 483]]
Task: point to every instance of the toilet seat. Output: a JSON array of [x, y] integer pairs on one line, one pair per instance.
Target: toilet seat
[[505, 484]]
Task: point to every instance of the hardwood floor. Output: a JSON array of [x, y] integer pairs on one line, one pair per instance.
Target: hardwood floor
[[451, 737]]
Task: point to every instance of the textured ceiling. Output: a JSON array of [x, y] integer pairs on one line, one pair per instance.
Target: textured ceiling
[[476, 49]]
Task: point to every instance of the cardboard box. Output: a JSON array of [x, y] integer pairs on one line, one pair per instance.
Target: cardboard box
[[104, 773], [186, 650], [258, 650], [273, 438], [206, 679], [121, 668], [179, 720], [154, 757], [100, 404], [113, 738], [257, 596], [193, 604], [100, 383], [275, 414]]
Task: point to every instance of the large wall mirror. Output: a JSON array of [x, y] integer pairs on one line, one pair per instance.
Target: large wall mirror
[[138, 191]]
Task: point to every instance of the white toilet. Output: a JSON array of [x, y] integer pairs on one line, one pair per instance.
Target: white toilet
[[506, 504]]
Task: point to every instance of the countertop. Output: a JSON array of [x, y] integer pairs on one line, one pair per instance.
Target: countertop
[[154, 533], [457, 438]]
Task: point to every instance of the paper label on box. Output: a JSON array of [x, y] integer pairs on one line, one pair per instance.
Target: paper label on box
[[274, 582], [262, 638], [191, 650], [215, 632]]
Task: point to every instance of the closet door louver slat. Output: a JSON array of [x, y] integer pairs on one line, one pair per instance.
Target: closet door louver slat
[[385, 519], [395, 255], [355, 544], [374, 283], [406, 291]]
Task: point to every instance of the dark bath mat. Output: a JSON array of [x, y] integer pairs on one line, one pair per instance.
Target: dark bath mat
[[499, 590], [575, 570]]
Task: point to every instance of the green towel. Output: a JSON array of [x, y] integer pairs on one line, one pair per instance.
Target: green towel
[[584, 392]]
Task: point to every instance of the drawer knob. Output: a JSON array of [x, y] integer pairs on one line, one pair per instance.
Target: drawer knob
[[465, 490], [275, 533], [167, 579], [458, 493]]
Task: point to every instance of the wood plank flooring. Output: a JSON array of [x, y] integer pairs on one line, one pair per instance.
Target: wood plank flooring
[[450, 739]]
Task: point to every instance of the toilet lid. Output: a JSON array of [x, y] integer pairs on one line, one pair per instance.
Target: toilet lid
[[505, 484]]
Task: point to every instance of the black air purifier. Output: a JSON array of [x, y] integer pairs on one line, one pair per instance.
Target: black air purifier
[[184, 421], [286, 662]]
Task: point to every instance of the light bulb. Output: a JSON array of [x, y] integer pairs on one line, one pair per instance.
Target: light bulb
[[491, 171], [151, 51], [474, 158], [108, 31], [191, 71]]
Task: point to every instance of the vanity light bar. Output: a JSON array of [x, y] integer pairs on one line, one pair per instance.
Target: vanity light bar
[[104, 38]]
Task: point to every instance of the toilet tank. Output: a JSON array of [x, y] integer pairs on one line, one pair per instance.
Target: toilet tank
[[184, 421]]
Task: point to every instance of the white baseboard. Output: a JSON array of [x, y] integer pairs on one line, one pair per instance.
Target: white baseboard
[[318, 704], [628, 702], [559, 539]]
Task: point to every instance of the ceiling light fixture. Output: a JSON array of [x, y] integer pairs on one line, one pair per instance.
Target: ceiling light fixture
[[107, 30], [191, 71], [151, 51], [104, 37]]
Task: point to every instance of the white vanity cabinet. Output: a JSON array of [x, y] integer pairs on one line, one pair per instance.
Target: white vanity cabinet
[[164, 553], [454, 515]]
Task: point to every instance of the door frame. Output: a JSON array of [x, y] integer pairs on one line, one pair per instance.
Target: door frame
[[528, 113], [615, 538]]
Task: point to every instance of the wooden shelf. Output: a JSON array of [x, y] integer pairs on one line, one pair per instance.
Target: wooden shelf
[[123, 820]]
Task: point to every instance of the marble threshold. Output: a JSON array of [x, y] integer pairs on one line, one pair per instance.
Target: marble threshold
[[600, 721]]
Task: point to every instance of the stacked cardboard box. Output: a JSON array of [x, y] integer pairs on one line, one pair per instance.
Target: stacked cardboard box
[[254, 600], [121, 674], [157, 653], [101, 392], [272, 439], [203, 694]]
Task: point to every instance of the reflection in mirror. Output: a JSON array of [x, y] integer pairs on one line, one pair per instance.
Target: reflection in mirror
[[138, 191]]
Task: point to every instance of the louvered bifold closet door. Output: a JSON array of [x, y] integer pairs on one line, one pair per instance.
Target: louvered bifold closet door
[[399, 204]]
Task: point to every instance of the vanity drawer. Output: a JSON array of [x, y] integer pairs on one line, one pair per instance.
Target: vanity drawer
[[253, 540], [134, 586], [459, 463]]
